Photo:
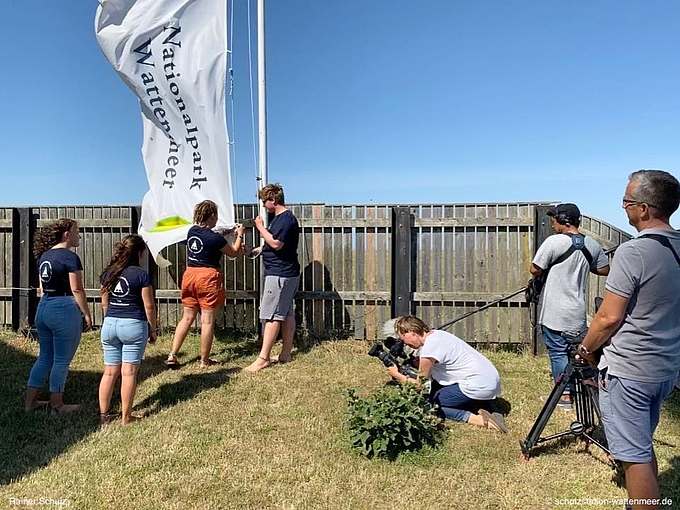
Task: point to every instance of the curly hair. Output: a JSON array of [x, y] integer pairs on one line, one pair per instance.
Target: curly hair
[[272, 192], [203, 211], [50, 235], [125, 254], [410, 324]]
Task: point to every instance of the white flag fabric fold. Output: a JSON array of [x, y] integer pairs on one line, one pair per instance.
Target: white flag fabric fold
[[173, 55]]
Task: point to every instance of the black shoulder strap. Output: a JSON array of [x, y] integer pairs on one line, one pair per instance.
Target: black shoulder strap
[[583, 249], [665, 242]]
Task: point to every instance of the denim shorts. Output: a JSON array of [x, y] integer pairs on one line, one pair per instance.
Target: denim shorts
[[124, 340], [630, 413]]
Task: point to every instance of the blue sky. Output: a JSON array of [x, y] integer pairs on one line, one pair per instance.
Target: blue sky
[[383, 101]]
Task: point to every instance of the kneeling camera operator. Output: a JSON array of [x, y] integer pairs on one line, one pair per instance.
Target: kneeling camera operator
[[465, 384]]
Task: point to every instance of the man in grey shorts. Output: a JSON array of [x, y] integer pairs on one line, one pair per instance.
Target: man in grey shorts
[[638, 324], [567, 255], [281, 277]]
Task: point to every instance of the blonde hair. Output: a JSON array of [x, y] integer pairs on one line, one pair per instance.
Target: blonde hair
[[410, 324], [272, 192]]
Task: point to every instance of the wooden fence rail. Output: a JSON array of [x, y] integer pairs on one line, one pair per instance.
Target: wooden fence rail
[[461, 257]]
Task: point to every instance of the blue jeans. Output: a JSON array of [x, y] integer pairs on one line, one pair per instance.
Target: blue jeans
[[60, 325], [124, 340], [558, 348], [454, 404]]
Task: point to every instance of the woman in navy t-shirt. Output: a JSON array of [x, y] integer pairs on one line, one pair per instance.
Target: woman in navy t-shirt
[[58, 319], [202, 283], [129, 308]]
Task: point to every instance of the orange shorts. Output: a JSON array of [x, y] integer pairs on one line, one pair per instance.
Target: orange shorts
[[202, 287]]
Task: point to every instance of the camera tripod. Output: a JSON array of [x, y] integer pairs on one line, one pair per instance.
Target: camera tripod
[[584, 397]]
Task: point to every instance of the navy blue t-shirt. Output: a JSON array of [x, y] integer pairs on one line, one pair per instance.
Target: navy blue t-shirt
[[125, 297], [204, 247], [284, 262], [53, 269]]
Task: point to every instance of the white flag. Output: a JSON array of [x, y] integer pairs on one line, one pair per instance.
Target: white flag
[[173, 55]]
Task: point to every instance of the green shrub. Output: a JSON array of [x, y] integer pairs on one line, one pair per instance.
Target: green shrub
[[391, 421]]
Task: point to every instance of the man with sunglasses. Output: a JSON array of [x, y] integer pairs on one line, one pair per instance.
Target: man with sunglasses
[[638, 324]]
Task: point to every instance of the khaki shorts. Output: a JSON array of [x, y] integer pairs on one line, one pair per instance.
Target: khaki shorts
[[202, 287]]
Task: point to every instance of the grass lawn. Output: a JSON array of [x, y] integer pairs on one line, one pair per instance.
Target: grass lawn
[[222, 438]]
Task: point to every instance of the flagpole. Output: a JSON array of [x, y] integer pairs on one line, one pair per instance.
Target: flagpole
[[261, 105], [262, 127]]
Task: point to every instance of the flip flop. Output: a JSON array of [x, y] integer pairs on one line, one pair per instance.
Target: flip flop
[[496, 419]]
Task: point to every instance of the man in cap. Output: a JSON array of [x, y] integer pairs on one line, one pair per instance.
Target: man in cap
[[566, 257]]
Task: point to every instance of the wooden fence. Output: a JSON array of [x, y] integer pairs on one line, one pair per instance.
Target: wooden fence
[[463, 256]]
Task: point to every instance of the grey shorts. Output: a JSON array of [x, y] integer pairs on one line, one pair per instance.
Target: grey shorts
[[277, 298], [630, 413]]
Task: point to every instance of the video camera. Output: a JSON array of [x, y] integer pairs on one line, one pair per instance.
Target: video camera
[[390, 352]]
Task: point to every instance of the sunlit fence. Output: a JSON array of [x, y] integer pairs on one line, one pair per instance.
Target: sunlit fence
[[461, 257]]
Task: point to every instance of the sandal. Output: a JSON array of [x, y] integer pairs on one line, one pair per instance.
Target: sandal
[[493, 421], [106, 418], [205, 363], [172, 361]]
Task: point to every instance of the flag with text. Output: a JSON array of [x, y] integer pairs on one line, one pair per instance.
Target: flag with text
[[173, 55]]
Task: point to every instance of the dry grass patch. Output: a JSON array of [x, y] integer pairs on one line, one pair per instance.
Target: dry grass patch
[[223, 438]]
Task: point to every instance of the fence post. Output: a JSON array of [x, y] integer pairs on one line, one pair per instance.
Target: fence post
[[401, 261], [542, 230], [24, 272], [148, 263]]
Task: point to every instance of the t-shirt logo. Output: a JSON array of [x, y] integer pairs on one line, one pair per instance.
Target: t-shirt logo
[[195, 244], [46, 271], [121, 289]]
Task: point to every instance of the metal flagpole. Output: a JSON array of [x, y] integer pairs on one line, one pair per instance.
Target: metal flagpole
[[261, 104], [262, 127]]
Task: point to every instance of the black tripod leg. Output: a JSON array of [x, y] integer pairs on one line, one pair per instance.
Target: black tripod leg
[[555, 395]]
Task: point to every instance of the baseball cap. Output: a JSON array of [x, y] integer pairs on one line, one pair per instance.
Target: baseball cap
[[570, 212]]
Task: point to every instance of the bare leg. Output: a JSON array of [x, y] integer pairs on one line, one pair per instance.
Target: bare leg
[[269, 336], [128, 385], [182, 329], [641, 482], [111, 373], [288, 334], [32, 402], [207, 333]]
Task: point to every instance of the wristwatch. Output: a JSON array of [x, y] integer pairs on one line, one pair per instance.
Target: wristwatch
[[582, 349]]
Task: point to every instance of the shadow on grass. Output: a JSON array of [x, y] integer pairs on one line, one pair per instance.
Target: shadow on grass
[[32, 440], [669, 481], [186, 388]]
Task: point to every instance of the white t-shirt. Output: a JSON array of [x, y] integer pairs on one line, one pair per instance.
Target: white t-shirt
[[457, 362]]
